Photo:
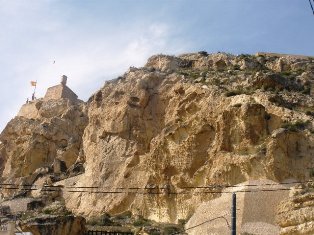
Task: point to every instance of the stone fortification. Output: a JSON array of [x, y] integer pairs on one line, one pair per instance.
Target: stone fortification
[[54, 102], [59, 92]]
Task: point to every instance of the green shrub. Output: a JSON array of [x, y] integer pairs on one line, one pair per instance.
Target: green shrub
[[190, 73], [309, 113], [286, 73], [141, 222], [238, 91], [306, 90], [231, 93], [236, 67], [123, 216], [94, 221], [238, 105], [203, 53], [104, 220], [182, 221], [267, 116], [47, 211], [170, 229], [243, 56], [297, 126]]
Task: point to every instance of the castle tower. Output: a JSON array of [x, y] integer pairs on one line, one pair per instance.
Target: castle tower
[[60, 91], [64, 80]]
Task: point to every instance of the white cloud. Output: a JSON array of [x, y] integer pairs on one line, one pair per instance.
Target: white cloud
[[88, 58]]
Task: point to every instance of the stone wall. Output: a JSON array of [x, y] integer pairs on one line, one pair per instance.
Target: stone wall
[[68, 93], [60, 91], [54, 92]]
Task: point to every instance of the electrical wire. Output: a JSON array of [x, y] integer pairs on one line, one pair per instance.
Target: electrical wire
[[207, 221], [152, 193], [249, 185], [311, 6], [156, 187]]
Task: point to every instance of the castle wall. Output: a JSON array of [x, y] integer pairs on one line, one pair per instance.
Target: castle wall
[[68, 93], [60, 91], [54, 92]]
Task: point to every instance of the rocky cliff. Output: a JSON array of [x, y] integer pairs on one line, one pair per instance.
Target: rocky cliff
[[155, 134], [296, 215], [44, 135]]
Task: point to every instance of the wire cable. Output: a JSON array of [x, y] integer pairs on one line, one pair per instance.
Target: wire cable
[[152, 193], [207, 221], [311, 6], [155, 188]]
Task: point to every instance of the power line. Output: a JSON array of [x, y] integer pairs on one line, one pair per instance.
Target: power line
[[247, 185], [221, 186], [311, 6], [151, 193], [207, 221]]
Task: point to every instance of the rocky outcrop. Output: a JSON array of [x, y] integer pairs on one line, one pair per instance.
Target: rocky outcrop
[[162, 129], [33, 141], [54, 225], [146, 140], [296, 215]]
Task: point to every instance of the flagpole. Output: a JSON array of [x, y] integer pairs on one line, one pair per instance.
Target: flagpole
[[33, 96], [35, 87]]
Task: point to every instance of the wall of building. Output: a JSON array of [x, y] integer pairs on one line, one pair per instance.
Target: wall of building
[[54, 92], [60, 91], [68, 93]]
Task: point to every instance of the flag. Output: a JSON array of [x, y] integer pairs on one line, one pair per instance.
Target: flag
[[33, 83]]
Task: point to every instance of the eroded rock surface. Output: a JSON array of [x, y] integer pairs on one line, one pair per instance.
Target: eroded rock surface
[[32, 142], [157, 132], [191, 121], [296, 215]]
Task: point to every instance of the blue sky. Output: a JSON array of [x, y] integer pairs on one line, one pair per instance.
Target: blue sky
[[96, 40]]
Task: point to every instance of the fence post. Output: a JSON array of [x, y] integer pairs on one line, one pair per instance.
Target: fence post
[[234, 214]]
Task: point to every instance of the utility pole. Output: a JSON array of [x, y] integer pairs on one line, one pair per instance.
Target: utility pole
[[234, 214]]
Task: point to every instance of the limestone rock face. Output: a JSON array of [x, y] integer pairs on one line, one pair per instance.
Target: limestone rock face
[[31, 143], [148, 139], [157, 130], [296, 215]]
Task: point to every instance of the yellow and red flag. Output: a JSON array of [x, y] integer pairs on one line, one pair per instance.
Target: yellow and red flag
[[33, 83]]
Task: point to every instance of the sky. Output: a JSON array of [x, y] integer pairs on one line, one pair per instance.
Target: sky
[[92, 41]]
